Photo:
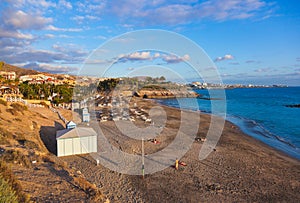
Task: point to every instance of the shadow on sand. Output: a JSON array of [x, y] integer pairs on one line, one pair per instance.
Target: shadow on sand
[[48, 136]]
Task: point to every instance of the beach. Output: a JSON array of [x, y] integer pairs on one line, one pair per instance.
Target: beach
[[240, 169]]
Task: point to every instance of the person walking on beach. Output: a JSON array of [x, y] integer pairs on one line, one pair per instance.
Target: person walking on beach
[[176, 164]]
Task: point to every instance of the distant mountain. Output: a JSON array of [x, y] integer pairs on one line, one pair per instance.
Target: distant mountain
[[19, 71]]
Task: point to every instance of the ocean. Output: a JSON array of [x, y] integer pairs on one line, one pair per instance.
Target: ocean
[[259, 112]]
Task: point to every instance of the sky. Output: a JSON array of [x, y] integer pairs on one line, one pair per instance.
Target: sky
[[246, 41]]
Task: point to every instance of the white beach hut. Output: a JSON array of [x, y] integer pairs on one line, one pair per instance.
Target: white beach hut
[[76, 141], [71, 125], [85, 115]]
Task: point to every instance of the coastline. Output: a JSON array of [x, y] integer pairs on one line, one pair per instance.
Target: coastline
[[265, 137], [253, 129], [240, 169], [271, 142]]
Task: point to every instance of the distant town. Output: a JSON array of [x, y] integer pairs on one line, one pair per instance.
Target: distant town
[[29, 86], [204, 85]]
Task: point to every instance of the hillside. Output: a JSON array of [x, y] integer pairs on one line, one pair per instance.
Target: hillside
[[34, 173], [19, 71]]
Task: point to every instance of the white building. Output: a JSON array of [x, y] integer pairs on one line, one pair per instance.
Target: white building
[[76, 141], [11, 75], [85, 115], [24, 78]]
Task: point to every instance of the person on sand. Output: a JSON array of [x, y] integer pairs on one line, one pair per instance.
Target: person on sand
[[176, 164]]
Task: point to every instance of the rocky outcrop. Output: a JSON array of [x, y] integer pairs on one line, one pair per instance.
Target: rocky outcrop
[[293, 106], [156, 94]]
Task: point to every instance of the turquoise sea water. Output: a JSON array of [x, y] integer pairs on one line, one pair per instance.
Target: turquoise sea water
[[259, 112]]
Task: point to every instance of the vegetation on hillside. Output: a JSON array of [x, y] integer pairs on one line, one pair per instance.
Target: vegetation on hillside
[[107, 85], [7, 194], [59, 93], [153, 87], [19, 71], [80, 92], [21, 147], [10, 188], [132, 83], [1, 65]]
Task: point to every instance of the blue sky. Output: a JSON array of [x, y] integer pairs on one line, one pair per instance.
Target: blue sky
[[250, 41]]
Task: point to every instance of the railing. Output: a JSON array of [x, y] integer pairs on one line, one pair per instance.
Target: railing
[[59, 114]]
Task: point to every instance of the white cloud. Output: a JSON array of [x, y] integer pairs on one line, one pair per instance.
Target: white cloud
[[42, 56], [175, 59], [234, 63], [148, 56], [230, 9], [82, 18], [68, 55], [53, 28], [252, 61], [145, 55], [224, 58], [11, 43], [125, 40], [65, 4], [70, 49], [172, 12], [44, 67], [78, 18], [39, 3], [49, 36], [182, 12], [136, 56], [64, 36], [101, 37], [15, 34], [98, 61], [156, 55], [31, 4], [96, 7], [15, 3], [21, 20], [262, 70]]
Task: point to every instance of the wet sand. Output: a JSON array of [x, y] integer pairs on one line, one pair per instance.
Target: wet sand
[[240, 169]]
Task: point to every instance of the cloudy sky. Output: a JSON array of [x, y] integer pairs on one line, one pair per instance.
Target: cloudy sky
[[249, 41]]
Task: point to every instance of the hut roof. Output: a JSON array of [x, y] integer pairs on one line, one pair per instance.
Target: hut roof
[[75, 132], [71, 123]]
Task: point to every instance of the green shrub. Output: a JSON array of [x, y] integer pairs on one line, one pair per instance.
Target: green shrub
[[3, 102], [12, 111], [12, 156], [7, 194], [10, 184], [3, 140], [5, 136], [44, 104], [19, 136], [17, 119], [19, 107], [31, 145], [153, 87]]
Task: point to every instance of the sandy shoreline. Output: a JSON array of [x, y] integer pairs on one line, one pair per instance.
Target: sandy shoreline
[[241, 169]]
